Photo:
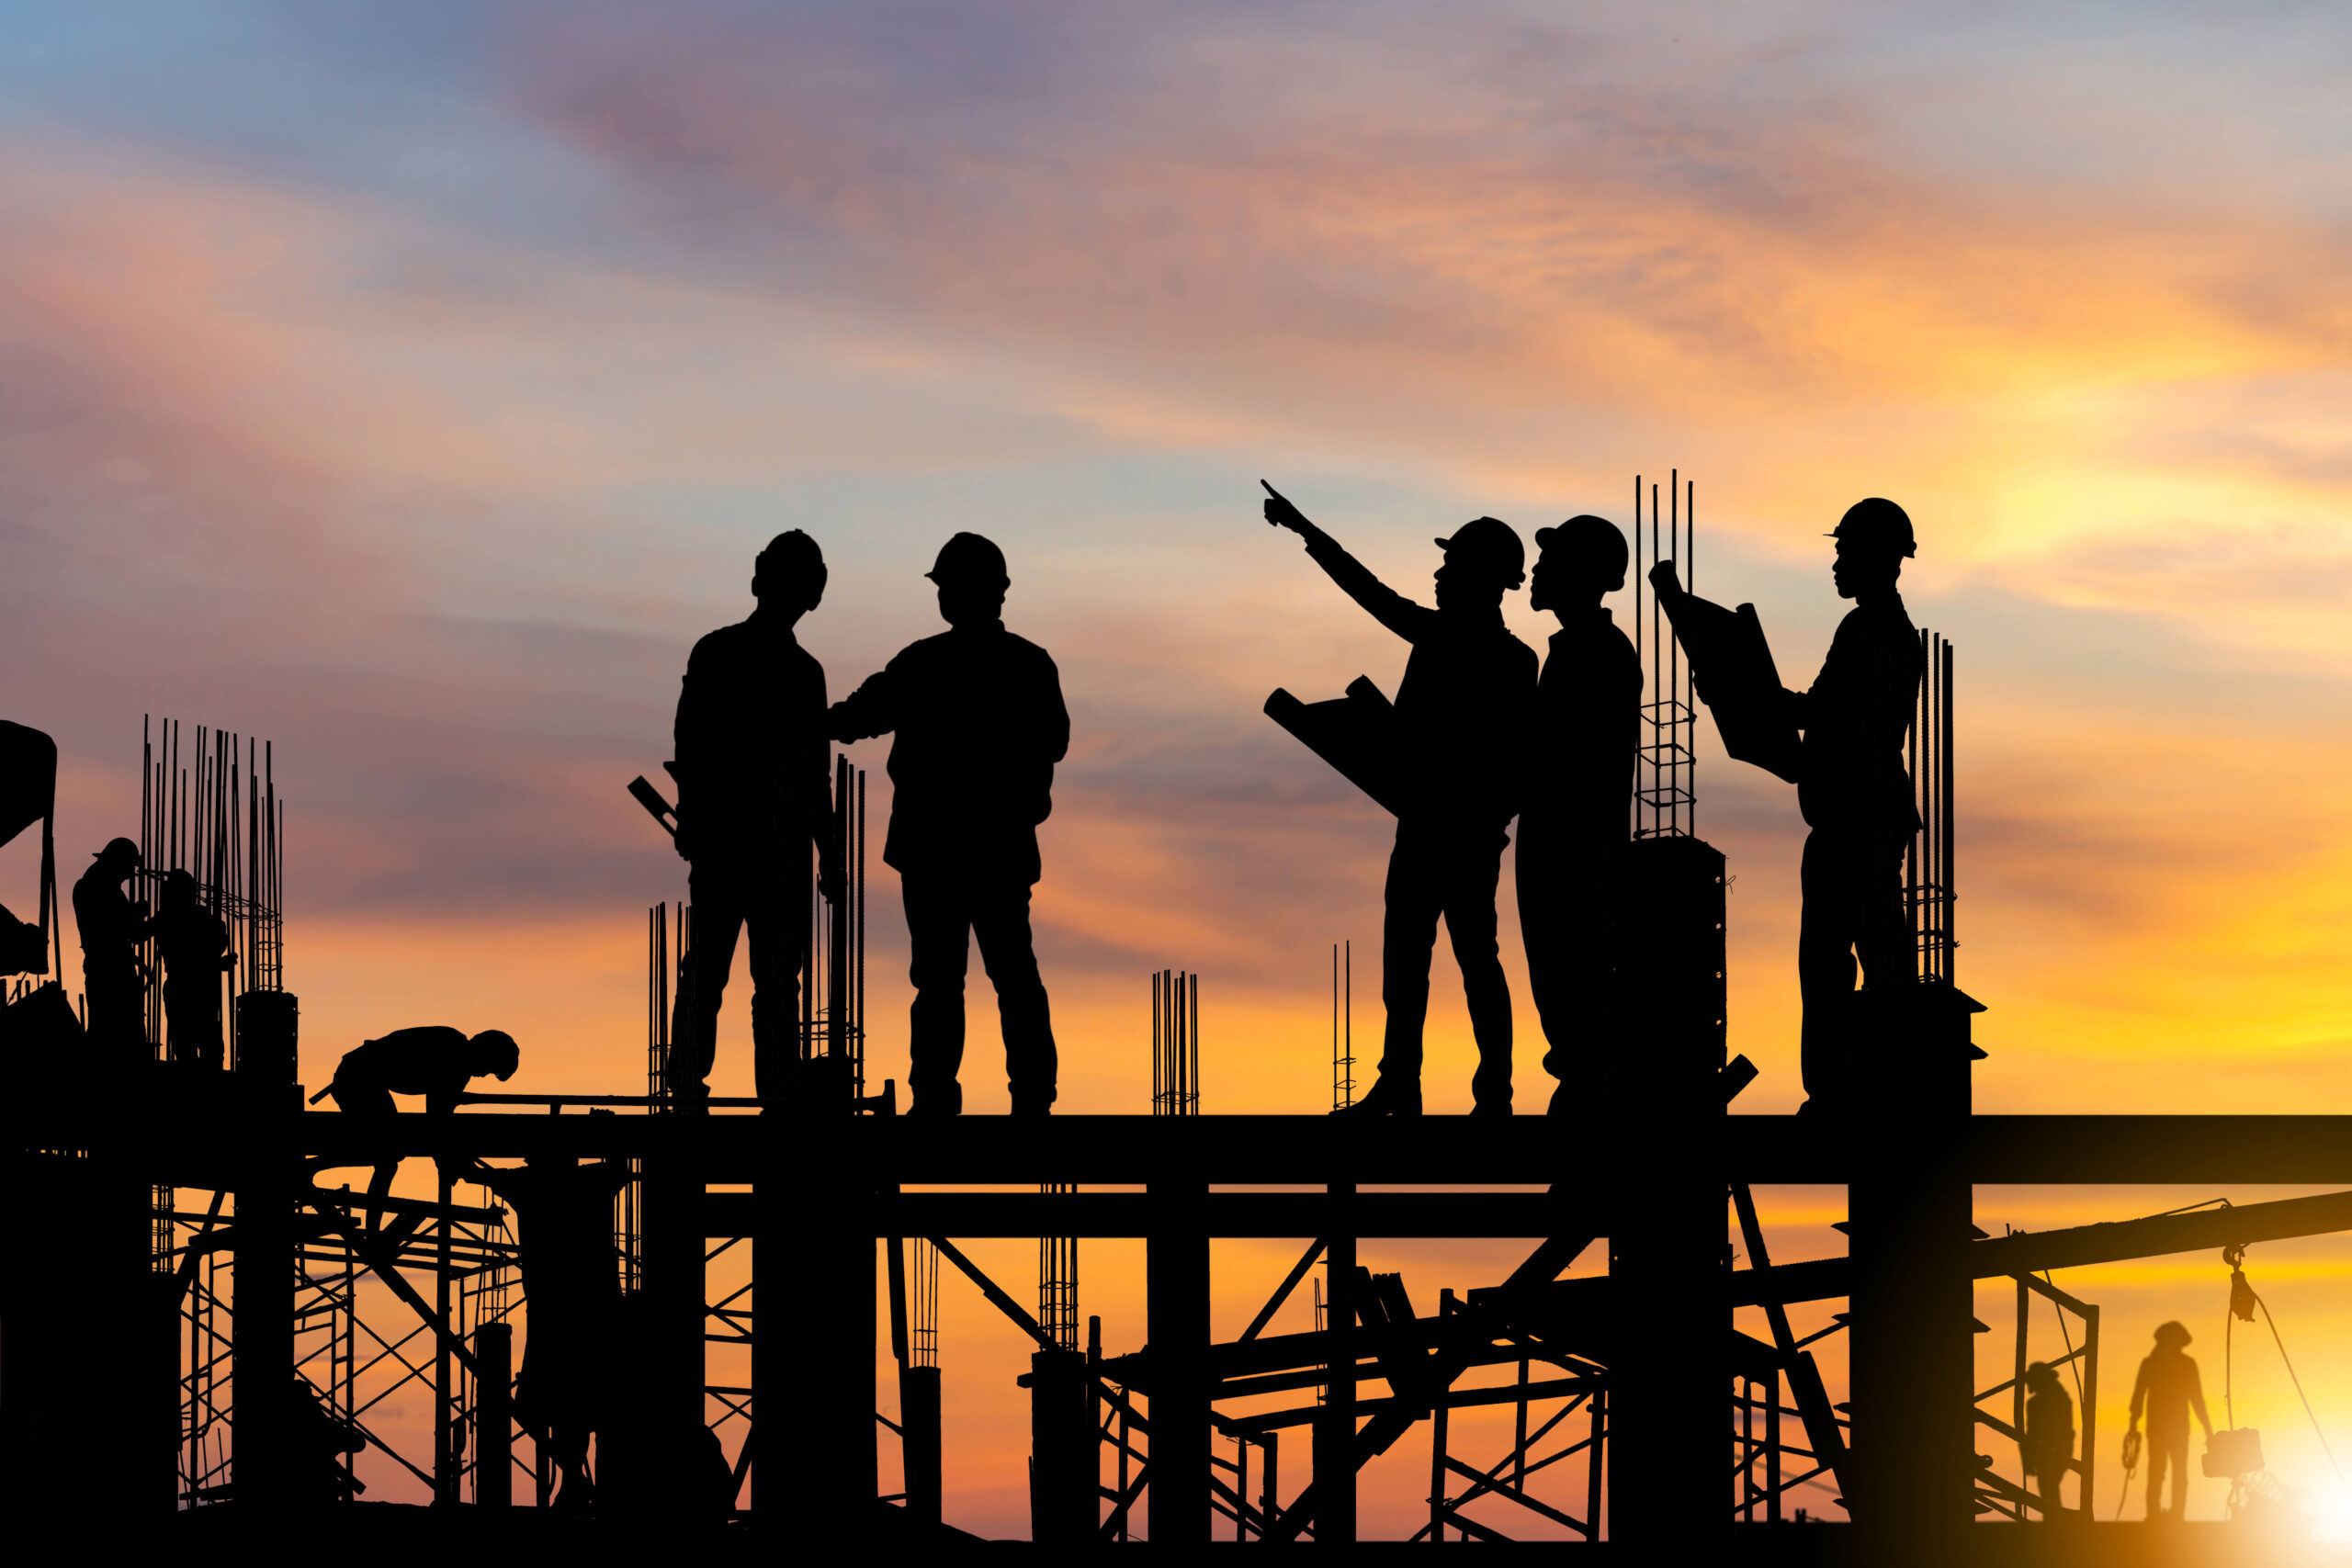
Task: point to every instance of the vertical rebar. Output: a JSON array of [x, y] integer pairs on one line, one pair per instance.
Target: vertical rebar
[[1950, 834]]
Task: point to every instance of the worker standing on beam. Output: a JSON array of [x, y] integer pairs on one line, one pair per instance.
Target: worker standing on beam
[[193, 944], [2168, 1390], [753, 793], [1463, 712], [111, 928], [1855, 792], [980, 725], [432, 1060], [1574, 823]]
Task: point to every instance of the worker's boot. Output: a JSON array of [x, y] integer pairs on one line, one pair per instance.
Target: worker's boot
[[1386, 1097]]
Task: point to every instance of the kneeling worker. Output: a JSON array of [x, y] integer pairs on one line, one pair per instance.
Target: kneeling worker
[[432, 1060]]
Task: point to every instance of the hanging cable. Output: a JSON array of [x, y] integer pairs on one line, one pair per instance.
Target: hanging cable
[[2311, 1414], [2243, 1300]]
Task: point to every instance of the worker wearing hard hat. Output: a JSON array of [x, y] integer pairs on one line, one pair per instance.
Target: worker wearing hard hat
[[1855, 791], [111, 928], [1574, 821], [2167, 1391], [1462, 714], [980, 725]]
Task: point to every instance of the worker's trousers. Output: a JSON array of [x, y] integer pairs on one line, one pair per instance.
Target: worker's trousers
[[731, 897], [1451, 872], [1852, 883], [1567, 918], [945, 914]]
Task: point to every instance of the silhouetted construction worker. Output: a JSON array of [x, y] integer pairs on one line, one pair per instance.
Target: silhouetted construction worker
[[2168, 1389], [563, 1220], [111, 930], [2049, 1436], [432, 1060], [980, 723], [753, 793], [193, 944], [318, 1441], [1463, 712], [1855, 791], [1576, 816]]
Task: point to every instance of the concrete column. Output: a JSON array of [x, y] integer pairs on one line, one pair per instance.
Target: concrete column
[[919, 1414], [1913, 1438], [494, 1416], [1335, 1430], [262, 1462], [1176, 1287], [1062, 1460]]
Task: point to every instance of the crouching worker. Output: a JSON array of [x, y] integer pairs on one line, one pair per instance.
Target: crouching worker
[[432, 1060]]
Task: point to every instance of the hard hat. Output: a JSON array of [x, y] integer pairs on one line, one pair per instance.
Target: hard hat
[[1584, 535], [118, 849], [970, 559], [2173, 1334], [1877, 524], [1490, 545]]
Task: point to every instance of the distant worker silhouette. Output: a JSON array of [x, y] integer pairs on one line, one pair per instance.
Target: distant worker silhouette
[[1576, 815], [2049, 1436], [319, 1439], [111, 928], [1463, 712], [753, 791], [432, 1060], [193, 942], [1855, 792], [980, 723], [2168, 1389], [563, 1230]]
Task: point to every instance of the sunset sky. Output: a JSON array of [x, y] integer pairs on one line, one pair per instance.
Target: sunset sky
[[413, 386]]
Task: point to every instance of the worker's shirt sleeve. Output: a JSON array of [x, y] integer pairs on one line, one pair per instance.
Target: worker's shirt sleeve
[[1390, 608], [694, 720], [871, 709], [1053, 737], [812, 769], [2140, 1392]]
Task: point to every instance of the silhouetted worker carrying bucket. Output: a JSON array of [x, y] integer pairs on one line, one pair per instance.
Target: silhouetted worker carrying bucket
[[564, 1229], [1456, 774]]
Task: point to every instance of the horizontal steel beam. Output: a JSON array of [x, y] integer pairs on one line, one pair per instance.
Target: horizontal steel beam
[[974, 1216], [183, 1147]]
